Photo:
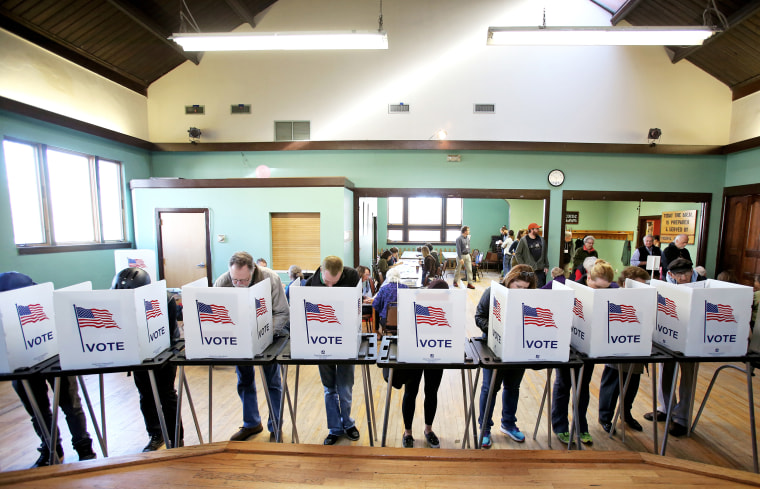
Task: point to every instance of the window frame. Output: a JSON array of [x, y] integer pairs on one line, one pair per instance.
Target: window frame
[[405, 227], [49, 245]]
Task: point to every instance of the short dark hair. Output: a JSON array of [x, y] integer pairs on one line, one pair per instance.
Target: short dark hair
[[680, 265], [394, 250], [464, 228], [385, 254], [242, 259]]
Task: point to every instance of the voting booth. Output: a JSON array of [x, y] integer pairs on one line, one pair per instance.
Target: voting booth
[[530, 324], [431, 325], [707, 318], [227, 322], [144, 259], [325, 322], [28, 335], [613, 322], [108, 328]]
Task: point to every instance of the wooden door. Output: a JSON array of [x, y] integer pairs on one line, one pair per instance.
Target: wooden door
[[647, 225], [184, 247], [751, 259]]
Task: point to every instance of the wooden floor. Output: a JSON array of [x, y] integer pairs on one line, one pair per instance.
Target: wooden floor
[[722, 437]]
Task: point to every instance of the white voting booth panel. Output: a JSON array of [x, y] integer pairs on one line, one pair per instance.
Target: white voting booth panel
[[526, 325], [28, 334], [108, 328], [144, 259], [431, 325], [703, 318], [325, 322], [227, 322], [613, 322]]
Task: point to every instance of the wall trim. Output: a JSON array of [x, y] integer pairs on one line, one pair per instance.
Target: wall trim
[[241, 182]]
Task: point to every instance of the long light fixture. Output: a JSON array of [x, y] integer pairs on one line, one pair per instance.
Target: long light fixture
[[598, 36], [281, 41]]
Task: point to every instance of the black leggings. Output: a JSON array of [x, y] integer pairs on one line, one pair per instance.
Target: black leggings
[[411, 388]]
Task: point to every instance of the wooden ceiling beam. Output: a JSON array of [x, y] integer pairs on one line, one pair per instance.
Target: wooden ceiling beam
[[242, 12], [149, 25]]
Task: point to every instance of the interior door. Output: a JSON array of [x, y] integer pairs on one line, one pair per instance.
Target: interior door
[[751, 260], [184, 247], [735, 235]]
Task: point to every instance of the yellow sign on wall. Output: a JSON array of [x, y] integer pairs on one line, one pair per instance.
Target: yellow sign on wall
[[678, 222]]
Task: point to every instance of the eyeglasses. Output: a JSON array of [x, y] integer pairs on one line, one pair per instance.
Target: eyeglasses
[[241, 281], [527, 275]]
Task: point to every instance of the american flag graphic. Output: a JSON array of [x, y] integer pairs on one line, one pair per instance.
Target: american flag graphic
[[666, 306], [719, 312], [261, 307], [434, 316], [621, 313], [135, 263], [152, 309], [96, 318], [321, 313], [538, 316], [578, 308], [213, 313], [30, 314], [496, 309]]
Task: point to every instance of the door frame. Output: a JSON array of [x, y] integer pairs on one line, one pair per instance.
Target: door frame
[[639, 235], [159, 241]]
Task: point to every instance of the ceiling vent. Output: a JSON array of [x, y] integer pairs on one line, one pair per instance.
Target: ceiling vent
[[484, 108], [398, 109], [240, 109], [195, 109]]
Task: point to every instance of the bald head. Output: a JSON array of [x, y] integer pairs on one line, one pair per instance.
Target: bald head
[[681, 241]]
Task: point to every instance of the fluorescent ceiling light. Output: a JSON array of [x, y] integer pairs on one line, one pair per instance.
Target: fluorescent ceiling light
[[281, 41], [598, 36]]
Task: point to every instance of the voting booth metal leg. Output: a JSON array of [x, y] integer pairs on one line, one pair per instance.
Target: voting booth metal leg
[[655, 383], [295, 398], [575, 395], [286, 397], [183, 381], [161, 420], [210, 401], [102, 387], [693, 394], [473, 388], [92, 414], [469, 409], [54, 422], [388, 392], [275, 423], [546, 395], [40, 420], [669, 409], [748, 372], [367, 407], [371, 398], [621, 399]]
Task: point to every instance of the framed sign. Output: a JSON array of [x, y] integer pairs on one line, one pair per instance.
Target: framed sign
[[572, 217], [678, 222]]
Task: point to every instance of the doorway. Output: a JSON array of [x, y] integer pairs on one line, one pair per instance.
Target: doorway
[[647, 225], [184, 246], [740, 236]]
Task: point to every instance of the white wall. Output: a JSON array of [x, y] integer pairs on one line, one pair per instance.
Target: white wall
[[438, 63], [745, 118], [36, 77]]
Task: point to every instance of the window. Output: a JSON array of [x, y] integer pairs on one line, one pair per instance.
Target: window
[[424, 219], [60, 198]]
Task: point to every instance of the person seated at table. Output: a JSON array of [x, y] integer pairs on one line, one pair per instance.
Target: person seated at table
[[394, 259], [384, 264], [599, 276], [429, 266], [433, 253], [388, 294], [609, 389], [367, 287], [69, 400], [519, 277], [132, 278], [295, 274], [412, 379]]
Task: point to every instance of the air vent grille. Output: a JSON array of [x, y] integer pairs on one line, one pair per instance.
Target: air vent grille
[[398, 109], [292, 130], [484, 108], [195, 109], [240, 109]]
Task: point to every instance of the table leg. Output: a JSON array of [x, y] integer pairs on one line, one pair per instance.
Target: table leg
[[159, 409], [54, 422], [102, 388], [371, 399], [473, 389], [183, 380], [92, 415], [575, 394], [465, 439], [669, 409], [655, 382], [388, 393], [541, 407], [549, 407], [210, 401], [275, 423], [179, 406], [40, 420], [367, 406], [753, 429]]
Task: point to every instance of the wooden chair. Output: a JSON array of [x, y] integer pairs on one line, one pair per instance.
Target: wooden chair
[[391, 320], [492, 259]]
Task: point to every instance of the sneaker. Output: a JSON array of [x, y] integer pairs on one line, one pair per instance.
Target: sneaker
[[564, 437], [331, 439], [44, 459], [408, 441], [352, 433], [155, 442], [432, 440], [486, 441], [245, 433], [513, 432], [586, 438]]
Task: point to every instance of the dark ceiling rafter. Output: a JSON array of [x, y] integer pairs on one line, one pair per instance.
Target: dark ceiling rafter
[[242, 12]]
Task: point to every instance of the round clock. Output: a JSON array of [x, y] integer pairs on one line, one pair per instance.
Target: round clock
[[556, 178]]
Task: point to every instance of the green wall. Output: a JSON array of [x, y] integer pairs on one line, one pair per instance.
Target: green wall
[[523, 212], [65, 268], [743, 168]]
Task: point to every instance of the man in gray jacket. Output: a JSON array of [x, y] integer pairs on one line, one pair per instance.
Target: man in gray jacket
[[463, 257], [532, 251]]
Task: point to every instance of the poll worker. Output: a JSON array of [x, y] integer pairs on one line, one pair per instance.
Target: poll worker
[[581, 254], [132, 278], [600, 276], [429, 267], [69, 400], [519, 277], [680, 271], [609, 388], [464, 259], [394, 259], [640, 254], [367, 287], [676, 249], [337, 380], [531, 251], [244, 273]]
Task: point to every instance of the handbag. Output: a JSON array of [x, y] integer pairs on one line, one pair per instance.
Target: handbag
[[398, 377]]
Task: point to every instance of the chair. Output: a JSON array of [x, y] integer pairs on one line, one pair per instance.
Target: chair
[[391, 320], [491, 259]]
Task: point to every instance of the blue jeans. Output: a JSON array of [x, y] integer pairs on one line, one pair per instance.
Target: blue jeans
[[511, 379], [246, 388], [506, 264], [338, 381]]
